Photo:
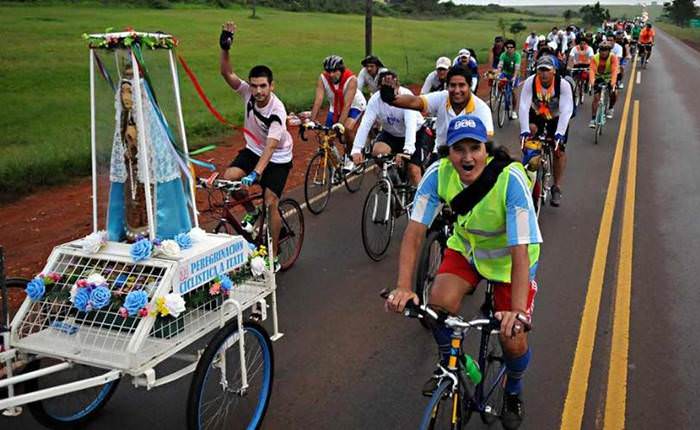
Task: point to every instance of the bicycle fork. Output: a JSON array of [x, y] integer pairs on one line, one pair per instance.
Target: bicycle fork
[[376, 210]]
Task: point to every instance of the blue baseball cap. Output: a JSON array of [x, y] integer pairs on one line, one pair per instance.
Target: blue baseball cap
[[466, 127]]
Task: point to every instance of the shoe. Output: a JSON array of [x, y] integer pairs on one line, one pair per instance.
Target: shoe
[[621, 85], [348, 165], [610, 113], [592, 124], [513, 115], [512, 413], [556, 196]]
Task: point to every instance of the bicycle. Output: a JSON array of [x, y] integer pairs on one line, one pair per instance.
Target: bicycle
[[326, 169], [291, 235], [386, 201], [454, 400], [600, 118], [580, 75], [542, 166], [493, 89], [505, 100], [644, 54], [530, 62]]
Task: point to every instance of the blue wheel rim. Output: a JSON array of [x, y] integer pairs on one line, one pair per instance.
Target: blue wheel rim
[[89, 408]]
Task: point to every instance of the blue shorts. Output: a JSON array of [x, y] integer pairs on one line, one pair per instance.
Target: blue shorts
[[354, 114]]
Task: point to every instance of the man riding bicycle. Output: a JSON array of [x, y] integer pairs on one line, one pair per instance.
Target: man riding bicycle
[[497, 49], [621, 50], [580, 59], [466, 60], [267, 156], [367, 78], [546, 106], [346, 102], [496, 237], [437, 79], [604, 67], [444, 105], [402, 132], [646, 40], [509, 68]]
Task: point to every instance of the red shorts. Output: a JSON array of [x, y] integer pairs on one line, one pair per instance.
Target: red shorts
[[454, 263]]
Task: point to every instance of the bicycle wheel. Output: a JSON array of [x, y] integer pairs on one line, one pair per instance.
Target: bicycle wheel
[[445, 410], [15, 297], [537, 191], [317, 183], [493, 383], [377, 220], [69, 410], [547, 177], [216, 397], [353, 180], [501, 109], [291, 234], [493, 95], [428, 264]]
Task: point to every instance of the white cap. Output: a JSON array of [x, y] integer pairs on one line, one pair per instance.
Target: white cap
[[464, 53], [443, 63], [553, 45]]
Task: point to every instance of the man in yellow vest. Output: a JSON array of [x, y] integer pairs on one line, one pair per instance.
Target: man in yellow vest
[[604, 69], [497, 238]]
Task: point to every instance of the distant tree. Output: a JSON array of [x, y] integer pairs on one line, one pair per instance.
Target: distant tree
[[680, 12], [502, 24], [517, 27], [568, 15], [594, 15]]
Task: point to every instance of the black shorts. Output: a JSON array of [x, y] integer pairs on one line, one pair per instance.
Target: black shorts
[[549, 127], [597, 89], [274, 176], [424, 145]]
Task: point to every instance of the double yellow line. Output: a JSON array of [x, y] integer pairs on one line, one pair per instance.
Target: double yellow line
[[575, 402]]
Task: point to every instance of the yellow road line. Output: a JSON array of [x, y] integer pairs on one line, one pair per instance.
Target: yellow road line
[[615, 401], [575, 401]]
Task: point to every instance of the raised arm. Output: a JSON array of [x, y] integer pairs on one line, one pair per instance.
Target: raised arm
[[405, 101], [225, 40]]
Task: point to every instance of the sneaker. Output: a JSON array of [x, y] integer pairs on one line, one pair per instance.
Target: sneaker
[[610, 113], [621, 85], [348, 165], [592, 124], [512, 413], [556, 196], [513, 115]]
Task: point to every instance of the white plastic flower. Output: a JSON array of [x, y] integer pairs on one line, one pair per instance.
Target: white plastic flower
[[175, 304], [73, 292], [257, 266], [197, 234], [96, 279], [93, 242], [170, 248]]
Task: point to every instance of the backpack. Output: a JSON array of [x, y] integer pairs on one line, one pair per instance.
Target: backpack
[[557, 89]]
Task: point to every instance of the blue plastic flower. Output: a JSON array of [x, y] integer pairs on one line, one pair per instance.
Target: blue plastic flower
[[141, 250], [36, 289], [226, 283], [121, 281], [82, 299], [184, 240], [99, 297], [134, 301]]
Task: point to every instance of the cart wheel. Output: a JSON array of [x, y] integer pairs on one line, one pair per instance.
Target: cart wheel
[[216, 398], [69, 410]]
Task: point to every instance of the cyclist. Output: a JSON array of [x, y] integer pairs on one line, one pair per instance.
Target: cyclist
[[444, 105], [497, 238], [344, 97], [546, 106], [267, 156], [509, 68], [646, 39], [552, 35], [621, 50], [367, 78], [468, 61], [604, 67], [531, 43], [580, 58], [402, 132], [496, 50], [437, 79]]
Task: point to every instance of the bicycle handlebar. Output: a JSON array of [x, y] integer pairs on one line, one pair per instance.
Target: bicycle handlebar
[[314, 126], [222, 184]]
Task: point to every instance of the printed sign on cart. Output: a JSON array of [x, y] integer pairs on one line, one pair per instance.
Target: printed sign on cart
[[205, 266]]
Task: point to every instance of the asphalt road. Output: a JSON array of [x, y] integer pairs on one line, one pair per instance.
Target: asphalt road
[[346, 364]]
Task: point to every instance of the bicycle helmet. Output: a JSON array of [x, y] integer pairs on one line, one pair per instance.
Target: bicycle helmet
[[541, 38], [332, 63]]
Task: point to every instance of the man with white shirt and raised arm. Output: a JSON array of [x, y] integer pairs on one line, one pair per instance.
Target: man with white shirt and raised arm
[[267, 156], [437, 79], [402, 132]]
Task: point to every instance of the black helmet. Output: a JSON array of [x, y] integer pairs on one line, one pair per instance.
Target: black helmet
[[370, 59], [332, 63]]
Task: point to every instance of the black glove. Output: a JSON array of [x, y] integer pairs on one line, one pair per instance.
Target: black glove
[[225, 40], [387, 94]]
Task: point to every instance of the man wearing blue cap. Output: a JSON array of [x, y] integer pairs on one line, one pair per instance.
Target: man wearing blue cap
[[496, 237]]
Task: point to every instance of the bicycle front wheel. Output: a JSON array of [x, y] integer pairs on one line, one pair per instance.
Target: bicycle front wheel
[[217, 399], [428, 264], [353, 180], [291, 234], [445, 409], [377, 220], [317, 183], [501, 109], [493, 382], [15, 297]]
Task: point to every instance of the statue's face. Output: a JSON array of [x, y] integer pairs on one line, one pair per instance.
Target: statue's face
[[127, 101]]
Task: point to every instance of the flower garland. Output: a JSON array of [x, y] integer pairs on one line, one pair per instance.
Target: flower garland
[[112, 41], [36, 288], [144, 248]]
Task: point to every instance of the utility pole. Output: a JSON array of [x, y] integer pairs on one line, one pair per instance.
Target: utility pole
[[368, 27]]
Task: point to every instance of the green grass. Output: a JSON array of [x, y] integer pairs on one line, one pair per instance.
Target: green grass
[[45, 83], [616, 11], [685, 34]]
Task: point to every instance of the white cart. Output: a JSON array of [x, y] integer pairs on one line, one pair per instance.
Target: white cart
[[69, 362]]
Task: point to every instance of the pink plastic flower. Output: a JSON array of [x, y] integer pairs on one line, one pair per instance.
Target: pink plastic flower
[[215, 289], [82, 283], [123, 312], [54, 276], [143, 312]]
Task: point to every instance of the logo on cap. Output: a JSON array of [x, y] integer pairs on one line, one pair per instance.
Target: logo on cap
[[470, 123]]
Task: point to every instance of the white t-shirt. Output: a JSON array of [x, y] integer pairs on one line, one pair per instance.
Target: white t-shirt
[[531, 43], [438, 104], [617, 50], [431, 81], [566, 105], [395, 121], [262, 131], [577, 55], [364, 79], [358, 101]]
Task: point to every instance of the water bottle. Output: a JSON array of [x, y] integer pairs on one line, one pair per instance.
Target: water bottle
[[471, 368]]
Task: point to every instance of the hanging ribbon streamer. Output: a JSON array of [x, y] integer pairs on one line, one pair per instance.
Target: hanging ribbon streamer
[[208, 104], [104, 73]]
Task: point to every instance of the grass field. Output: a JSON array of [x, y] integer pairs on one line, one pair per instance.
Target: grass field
[[616, 11], [689, 35], [44, 69]]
